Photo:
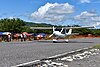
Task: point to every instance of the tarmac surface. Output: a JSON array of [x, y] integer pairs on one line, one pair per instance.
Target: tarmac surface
[[14, 53], [92, 61]]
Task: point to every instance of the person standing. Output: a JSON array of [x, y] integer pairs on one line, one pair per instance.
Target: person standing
[[25, 37], [22, 37], [9, 37]]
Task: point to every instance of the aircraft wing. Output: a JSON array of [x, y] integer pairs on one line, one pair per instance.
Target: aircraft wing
[[79, 27], [41, 27], [63, 27]]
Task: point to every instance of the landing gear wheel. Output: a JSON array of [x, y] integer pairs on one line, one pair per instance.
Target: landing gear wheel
[[66, 41], [54, 41]]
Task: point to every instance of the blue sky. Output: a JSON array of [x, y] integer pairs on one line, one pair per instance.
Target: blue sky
[[61, 12]]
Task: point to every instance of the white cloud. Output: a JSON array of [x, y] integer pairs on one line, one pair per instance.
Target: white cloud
[[52, 12], [11, 17], [88, 18], [85, 15], [85, 1], [97, 24]]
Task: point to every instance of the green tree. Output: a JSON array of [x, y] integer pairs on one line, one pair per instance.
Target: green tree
[[96, 32], [11, 25], [27, 29], [82, 31]]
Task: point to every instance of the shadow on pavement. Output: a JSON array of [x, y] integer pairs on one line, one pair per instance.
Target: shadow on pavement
[[50, 41]]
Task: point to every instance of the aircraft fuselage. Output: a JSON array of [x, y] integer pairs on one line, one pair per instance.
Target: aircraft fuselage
[[59, 34]]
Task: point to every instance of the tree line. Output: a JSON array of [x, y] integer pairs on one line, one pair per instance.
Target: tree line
[[16, 25]]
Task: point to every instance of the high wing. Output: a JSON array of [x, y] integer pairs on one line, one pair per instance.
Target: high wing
[[79, 27], [63, 27]]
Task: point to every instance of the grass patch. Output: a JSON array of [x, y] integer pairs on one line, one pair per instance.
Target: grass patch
[[97, 46]]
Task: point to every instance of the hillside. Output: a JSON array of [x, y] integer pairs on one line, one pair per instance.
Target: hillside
[[37, 24]]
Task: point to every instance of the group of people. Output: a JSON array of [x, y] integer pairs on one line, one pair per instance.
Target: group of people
[[23, 37]]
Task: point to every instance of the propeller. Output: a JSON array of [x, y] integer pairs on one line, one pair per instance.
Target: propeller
[[52, 33]]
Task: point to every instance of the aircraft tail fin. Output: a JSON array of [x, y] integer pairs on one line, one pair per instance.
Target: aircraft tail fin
[[69, 32]]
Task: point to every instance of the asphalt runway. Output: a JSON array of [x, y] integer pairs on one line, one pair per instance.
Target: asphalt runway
[[14, 53]]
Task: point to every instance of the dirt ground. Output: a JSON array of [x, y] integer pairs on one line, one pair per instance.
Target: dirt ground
[[76, 36], [84, 36]]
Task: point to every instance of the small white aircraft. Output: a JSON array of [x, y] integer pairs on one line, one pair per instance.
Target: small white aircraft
[[59, 34], [62, 33]]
